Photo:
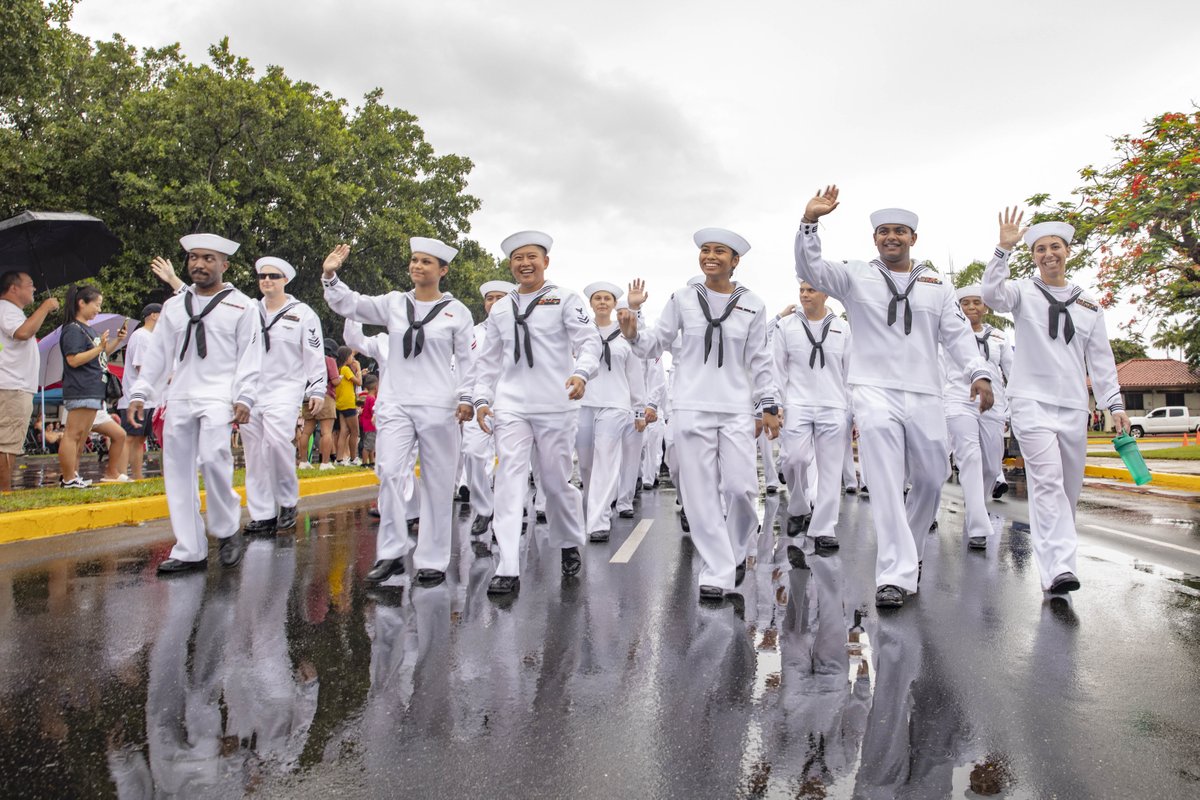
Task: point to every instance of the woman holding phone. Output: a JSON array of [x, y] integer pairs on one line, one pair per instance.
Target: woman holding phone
[[85, 364]]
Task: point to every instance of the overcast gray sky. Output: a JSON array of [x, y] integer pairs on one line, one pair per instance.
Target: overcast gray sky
[[622, 127]]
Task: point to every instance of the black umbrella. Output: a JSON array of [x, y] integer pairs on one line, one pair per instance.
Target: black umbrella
[[56, 248]]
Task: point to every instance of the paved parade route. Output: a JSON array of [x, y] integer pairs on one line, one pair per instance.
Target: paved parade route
[[289, 678]]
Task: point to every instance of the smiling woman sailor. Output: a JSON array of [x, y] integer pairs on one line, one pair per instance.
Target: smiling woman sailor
[[1063, 342]]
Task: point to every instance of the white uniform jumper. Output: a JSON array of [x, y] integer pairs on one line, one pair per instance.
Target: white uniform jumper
[[1061, 345], [812, 360], [978, 438], [479, 449], [722, 377], [211, 344], [293, 370], [523, 369], [614, 398], [652, 442], [898, 320], [418, 394]]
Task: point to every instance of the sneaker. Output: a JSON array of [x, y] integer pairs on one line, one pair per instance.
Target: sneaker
[[304, 465], [355, 463], [75, 483], [122, 478], [326, 465]]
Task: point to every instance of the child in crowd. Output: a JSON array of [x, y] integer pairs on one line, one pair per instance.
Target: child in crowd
[[367, 419], [347, 406]]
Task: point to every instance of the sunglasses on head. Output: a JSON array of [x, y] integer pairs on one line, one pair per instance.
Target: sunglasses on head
[[270, 276]]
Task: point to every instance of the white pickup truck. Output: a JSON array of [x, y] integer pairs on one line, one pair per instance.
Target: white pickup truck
[[1168, 419]]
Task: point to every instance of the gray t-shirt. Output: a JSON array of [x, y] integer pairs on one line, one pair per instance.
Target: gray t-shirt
[[87, 380]]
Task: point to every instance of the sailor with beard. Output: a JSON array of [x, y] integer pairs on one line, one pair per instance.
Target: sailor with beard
[[208, 335]]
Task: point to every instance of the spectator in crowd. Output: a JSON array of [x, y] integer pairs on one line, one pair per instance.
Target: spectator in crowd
[[367, 420], [346, 401], [85, 364], [136, 435], [18, 365], [323, 418]]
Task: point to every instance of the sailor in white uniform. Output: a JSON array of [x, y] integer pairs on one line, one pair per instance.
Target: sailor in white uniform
[[899, 311], [1063, 341], [422, 398], [977, 438], [652, 441], [632, 440], [540, 351], [812, 358], [479, 450], [614, 403], [293, 371], [723, 377], [206, 342]]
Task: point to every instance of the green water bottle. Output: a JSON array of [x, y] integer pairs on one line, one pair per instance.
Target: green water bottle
[[1126, 447]]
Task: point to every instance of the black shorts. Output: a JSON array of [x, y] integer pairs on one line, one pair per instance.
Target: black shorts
[[347, 412], [144, 429]]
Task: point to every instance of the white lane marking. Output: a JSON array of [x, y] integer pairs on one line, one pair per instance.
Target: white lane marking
[[1145, 539], [630, 545]]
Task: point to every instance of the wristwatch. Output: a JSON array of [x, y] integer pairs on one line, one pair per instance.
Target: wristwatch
[[772, 410]]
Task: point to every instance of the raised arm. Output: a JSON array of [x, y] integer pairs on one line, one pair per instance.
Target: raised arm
[[648, 342], [830, 277], [346, 302], [999, 293]]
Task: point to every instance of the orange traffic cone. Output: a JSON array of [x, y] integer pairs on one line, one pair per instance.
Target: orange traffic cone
[[1185, 441]]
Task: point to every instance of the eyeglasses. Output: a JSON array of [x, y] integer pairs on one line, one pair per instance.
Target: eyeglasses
[[270, 276]]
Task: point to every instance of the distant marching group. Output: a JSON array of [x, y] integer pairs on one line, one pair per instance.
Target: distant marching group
[[555, 379]]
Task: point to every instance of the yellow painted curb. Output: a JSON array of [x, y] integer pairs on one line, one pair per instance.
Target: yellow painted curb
[[1163, 480], [57, 520]]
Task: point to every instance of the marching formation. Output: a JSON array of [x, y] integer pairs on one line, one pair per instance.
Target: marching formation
[[553, 381]]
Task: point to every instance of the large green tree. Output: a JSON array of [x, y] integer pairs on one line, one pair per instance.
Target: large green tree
[[158, 147], [1137, 222]]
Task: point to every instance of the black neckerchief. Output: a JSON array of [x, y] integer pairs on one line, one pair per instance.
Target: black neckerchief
[[982, 341], [266, 328], [899, 296], [520, 324], [414, 337], [607, 354], [1058, 307], [197, 321], [827, 323], [715, 324]]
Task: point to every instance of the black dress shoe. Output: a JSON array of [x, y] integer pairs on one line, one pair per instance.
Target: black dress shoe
[[934, 526], [851, 490], [977, 543], [231, 549], [385, 568], [541, 517], [683, 521], [287, 518], [503, 584], [414, 526], [430, 577], [796, 526], [864, 490], [571, 561], [999, 491], [772, 489], [598, 536], [889, 597], [711, 593], [626, 514], [739, 574], [259, 527], [782, 479], [464, 494], [738, 603], [481, 548], [173, 566], [826, 543], [480, 525], [796, 558], [1066, 582]]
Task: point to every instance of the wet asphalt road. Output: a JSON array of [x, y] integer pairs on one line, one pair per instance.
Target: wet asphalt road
[[286, 677]]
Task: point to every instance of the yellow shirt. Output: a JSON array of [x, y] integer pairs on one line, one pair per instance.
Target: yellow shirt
[[344, 397]]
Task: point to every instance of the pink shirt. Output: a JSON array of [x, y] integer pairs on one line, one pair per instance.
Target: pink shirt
[[367, 418]]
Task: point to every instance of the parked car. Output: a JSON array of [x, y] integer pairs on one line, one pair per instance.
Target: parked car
[[1168, 419]]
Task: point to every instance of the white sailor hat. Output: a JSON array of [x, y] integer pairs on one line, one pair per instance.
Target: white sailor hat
[[602, 286], [970, 290], [721, 236], [208, 241], [287, 269], [1060, 229], [433, 247], [695, 279], [894, 216], [522, 238], [495, 286]]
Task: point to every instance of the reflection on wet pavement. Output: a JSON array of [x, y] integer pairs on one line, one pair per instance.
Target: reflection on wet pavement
[[288, 678]]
